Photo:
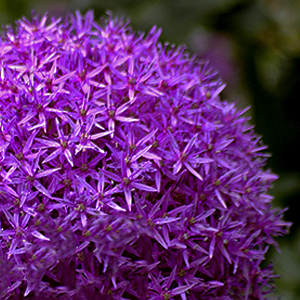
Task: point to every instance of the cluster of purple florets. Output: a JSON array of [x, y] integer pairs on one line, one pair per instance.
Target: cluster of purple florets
[[122, 174]]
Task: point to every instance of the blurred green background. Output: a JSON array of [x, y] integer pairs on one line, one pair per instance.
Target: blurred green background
[[255, 46]]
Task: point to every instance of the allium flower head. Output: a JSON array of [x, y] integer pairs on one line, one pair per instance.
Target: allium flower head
[[122, 174]]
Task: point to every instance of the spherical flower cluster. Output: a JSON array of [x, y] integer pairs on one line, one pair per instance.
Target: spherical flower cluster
[[122, 174]]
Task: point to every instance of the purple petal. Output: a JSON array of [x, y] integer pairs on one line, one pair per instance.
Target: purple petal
[[126, 119], [82, 246], [29, 142], [52, 155], [166, 220], [46, 173], [40, 236], [158, 180], [190, 144], [29, 116], [193, 171], [85, 184], [96, 71], [48, 143], [145, 139], [128, 198], [218, 194], [115, 206], [68, 156], [156, 235], [100, 135], [177, 167], [174, 143], [215, 284], [111, 175], [150, 155], [41, 188], [63, 78], [212, 247], [141, 153], [143, 187]]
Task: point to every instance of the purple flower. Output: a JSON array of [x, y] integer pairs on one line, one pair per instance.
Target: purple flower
[[122, 173]]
